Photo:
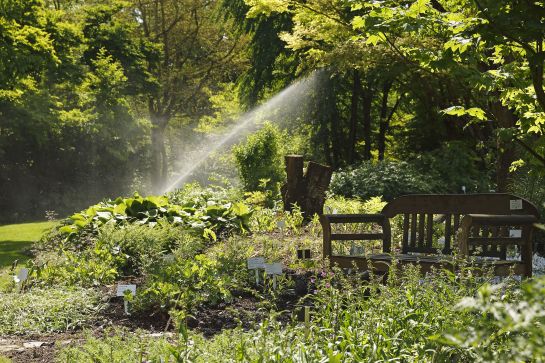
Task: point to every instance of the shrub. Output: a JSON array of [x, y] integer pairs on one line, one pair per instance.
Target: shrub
[[184, 284], [127, 250], [508, 325], [337, 204], [388, 179], [144, 248], [452, 166], [260, 159]]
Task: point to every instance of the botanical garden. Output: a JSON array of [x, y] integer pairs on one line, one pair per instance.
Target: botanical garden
[[272, 181]]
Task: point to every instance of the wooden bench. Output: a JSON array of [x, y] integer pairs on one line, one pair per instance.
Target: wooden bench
[[480, 225]]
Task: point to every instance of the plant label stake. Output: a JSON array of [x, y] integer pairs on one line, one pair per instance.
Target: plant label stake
[[273, 269], [255, 263], [121, 292], [281, 225], [307, 321], [21, 277]]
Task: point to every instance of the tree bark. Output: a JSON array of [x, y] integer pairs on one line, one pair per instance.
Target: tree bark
[[159, 167], [307, 190], [293, 188], [367, 98], [506, 151], [383, 126], [356, 87]]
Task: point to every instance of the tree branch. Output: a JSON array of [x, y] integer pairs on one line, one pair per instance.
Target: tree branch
[[530, 150]]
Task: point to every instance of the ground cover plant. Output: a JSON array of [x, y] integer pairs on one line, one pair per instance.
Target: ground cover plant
[[437, 319], [47, 310]]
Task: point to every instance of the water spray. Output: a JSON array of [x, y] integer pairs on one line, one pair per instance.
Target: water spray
[[247, 123]]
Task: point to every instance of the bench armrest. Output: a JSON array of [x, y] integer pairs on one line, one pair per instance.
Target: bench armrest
[[327, 219], [525, 222]]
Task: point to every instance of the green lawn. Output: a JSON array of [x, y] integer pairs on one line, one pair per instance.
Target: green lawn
[[16, 239]]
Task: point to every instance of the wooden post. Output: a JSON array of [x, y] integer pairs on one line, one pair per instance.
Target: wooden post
[[307, 190]]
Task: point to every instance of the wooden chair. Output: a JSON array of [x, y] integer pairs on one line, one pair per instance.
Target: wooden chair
[[491, 215]]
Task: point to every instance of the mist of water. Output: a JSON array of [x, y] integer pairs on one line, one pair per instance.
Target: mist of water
[[287, 102]]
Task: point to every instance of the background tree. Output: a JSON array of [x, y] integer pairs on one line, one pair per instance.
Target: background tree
[[198, 51]]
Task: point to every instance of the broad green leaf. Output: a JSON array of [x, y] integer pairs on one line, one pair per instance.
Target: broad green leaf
[[358, 22], [240, 209]]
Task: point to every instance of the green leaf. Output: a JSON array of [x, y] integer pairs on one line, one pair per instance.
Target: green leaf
[[67, 229], [374, 39], [358, 22], [417, 8], [474, 112], [240, 209]]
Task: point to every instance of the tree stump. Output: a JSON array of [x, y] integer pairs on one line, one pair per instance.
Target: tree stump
[[307, 190]]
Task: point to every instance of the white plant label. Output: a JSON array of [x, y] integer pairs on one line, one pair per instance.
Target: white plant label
[[515, 204], [515, 233], [122, 288], [255, 263], [22, 275], [273, 268], [169, 258], [356, 250], [281, 224]]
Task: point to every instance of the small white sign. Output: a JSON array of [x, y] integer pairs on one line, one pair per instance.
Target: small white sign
[[122, 288], [515, 204], [515, 233], [255, 263], [273, 268], [169, 258], [281, 224], [22, 275]]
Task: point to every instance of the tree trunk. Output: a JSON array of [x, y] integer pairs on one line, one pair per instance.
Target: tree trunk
[[383, 126], [506, 151], [367, 98], [159, 167], [293, 188], [356, 87], [306, 190]]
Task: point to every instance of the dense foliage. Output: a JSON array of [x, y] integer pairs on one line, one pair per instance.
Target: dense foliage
[[210, 218], [96, 93], [259, 160], [387, 179]]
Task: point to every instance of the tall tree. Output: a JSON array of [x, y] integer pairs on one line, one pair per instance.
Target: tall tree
[[198, 49]]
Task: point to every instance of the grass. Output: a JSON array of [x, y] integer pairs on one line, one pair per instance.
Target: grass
[[15, 239]]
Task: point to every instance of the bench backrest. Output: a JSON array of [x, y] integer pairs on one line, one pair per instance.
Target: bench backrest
[[421, 211]]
